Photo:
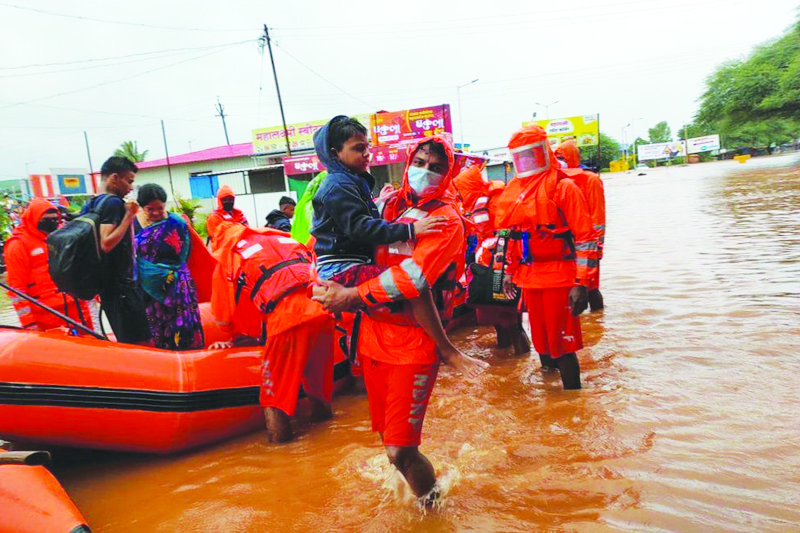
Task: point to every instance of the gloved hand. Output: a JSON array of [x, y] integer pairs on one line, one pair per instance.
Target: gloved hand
[[578, 299], [509, 289]]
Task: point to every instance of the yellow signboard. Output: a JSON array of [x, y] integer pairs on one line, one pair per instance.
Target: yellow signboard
[[585, 129], [301, 136]]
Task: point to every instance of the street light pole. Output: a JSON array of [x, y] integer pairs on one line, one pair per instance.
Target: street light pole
[[625, 141], [546, 109], [460, 116]]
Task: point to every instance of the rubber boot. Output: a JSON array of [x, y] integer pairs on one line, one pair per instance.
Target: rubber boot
[[570, 371], [503, 337], [522, 344], [595, 300], [548, 364]]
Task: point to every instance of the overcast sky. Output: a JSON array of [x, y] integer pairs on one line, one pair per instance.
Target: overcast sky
[[115, 69]]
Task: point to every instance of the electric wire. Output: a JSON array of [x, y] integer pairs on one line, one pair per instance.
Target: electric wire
[[126, 78], [120, 22]]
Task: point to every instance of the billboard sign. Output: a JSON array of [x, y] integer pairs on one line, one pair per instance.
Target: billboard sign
[[71, 181], [585, 129], [301, 136], [304, 164], [647, 152], [405, 127], [706, 143]]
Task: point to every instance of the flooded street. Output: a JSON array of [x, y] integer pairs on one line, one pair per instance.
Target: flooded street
[[689, 418]]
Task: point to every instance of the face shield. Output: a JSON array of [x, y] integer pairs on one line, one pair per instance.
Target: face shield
[[531, 159]]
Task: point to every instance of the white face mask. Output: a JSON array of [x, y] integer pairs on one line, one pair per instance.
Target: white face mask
[[422, 180]]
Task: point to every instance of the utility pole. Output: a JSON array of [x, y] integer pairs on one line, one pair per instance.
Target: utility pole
[[89, 154], [277, 89], [460, 116], [169, 168], [221, 114]]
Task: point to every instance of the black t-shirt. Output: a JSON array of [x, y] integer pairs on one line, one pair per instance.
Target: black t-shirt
[[119, 261]]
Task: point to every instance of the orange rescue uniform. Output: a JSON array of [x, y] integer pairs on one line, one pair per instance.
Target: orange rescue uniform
[[591, 186], [400, 360], [554, 246], [262, 276], [219, 215], [26, 259]]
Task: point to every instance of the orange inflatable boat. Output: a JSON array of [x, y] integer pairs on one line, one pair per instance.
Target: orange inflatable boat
[[87, 393], [33, 501]]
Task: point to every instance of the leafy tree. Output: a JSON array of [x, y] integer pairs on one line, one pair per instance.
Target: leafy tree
[[755, 101], [609, 151], [187, 207], [660, 133], [130, 149]]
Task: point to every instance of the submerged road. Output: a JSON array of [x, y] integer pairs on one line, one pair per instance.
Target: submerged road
[[689, 419]]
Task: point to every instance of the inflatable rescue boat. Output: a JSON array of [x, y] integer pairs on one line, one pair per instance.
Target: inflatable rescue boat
[[33, 501], [58, 390]]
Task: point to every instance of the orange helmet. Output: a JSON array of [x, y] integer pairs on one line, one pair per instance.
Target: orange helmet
[[531, 152]]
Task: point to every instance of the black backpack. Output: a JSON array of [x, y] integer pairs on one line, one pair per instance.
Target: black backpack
[[486, 285], [75, 255]]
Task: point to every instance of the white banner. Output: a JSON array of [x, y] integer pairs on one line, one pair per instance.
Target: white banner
[[661, 150], [703, 144]]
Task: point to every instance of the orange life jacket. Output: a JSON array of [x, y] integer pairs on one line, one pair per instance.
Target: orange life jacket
[[271, 267]]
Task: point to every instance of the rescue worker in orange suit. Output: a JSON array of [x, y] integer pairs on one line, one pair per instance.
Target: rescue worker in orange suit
[[225, 212], [554, 255], [262, 277], [591, 186], [26, 258], [400, 361], [479, 206]]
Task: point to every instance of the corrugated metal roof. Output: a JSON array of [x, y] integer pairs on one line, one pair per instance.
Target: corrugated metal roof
[[209, 154]]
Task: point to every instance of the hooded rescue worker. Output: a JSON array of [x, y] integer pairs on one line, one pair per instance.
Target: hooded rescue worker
[[591, 186], [478, 201], [554, 255], [479, 206], [261, 277], [225, 212], [400, 361], [26, 258]]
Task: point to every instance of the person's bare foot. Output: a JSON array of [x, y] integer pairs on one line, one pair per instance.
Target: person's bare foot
[[279, 425], [320, 410], [468, 366]]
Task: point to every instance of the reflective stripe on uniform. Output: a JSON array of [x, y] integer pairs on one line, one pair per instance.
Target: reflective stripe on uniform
[[600, 227], [414, 213], [585, 246], [388, 285], [584, 261], [415, 273]]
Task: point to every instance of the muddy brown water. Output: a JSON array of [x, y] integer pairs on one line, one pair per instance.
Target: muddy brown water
[[689, 419]]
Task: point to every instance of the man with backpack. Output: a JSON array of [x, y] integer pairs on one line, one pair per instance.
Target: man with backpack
[[119, 296]]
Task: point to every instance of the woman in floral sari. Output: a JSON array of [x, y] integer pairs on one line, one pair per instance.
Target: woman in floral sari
[[162, 247]]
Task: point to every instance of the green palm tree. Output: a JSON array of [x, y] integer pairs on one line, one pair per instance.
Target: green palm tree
[[130, 149]]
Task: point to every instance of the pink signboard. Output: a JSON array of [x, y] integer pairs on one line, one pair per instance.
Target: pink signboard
[[381, 155], [303, 164], [405, 127]]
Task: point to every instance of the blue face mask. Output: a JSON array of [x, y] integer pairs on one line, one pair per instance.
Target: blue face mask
[[422, 180]]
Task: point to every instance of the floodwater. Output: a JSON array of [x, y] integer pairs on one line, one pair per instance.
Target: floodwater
[[689, 418]]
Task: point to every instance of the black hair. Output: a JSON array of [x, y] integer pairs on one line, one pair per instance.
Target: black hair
[[149, 192], [285, 200], [117, 165], [342, 128], [435, 148]]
